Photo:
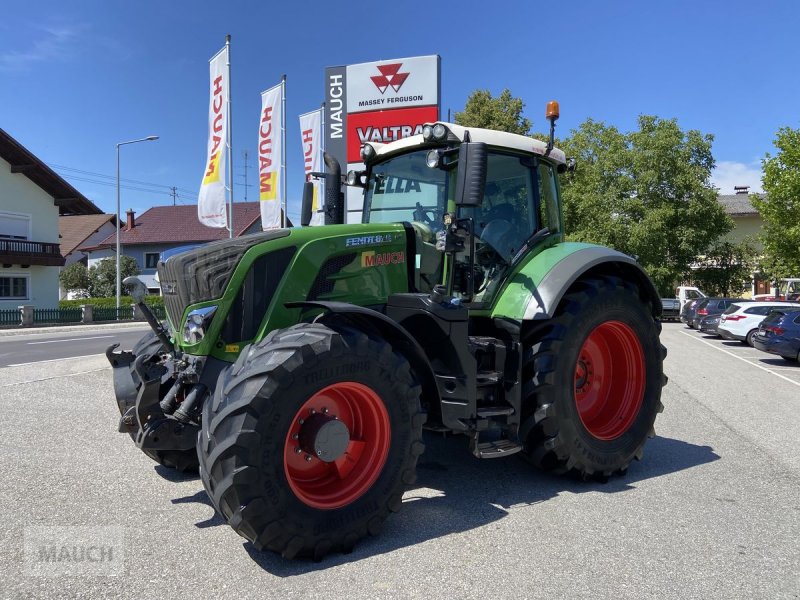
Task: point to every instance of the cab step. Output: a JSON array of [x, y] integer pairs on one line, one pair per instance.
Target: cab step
[[494, 449]]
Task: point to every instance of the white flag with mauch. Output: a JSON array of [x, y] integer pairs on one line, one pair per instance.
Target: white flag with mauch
[[311, 136], [270, 142], [211, 202]]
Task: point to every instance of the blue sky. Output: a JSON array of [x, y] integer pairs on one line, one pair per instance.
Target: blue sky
[[77, 77]]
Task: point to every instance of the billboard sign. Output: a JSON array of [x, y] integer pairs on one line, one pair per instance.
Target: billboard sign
[[380, 101]]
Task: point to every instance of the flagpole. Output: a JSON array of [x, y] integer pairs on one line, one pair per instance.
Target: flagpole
[[283, 150], [321, 188], [230, 141]]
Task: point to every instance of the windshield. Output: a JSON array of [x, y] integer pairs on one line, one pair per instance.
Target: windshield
[[404, 188]]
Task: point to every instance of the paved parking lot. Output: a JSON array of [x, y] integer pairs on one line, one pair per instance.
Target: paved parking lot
[[712, 510]]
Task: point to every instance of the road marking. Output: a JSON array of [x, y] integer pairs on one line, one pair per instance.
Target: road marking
[[37, 362], [744, 360], [96, 337]]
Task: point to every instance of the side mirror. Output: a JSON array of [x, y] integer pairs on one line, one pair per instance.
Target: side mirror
[[308, 200], [137, 289], [471, 175]]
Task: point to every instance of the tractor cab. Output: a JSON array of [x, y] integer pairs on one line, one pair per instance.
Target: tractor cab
[[417, 181]]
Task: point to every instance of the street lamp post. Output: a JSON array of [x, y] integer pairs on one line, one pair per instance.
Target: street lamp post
[[149, 138]]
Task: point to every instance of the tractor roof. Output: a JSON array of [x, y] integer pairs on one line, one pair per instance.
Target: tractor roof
[[497, 139]]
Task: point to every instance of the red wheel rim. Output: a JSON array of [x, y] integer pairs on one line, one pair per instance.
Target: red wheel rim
[[337, 483], [609, 380]]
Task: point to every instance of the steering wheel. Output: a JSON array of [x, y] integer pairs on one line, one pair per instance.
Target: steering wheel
[[421, 215]]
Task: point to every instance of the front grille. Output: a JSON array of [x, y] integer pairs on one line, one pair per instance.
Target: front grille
[[254, 297], [203, 274]]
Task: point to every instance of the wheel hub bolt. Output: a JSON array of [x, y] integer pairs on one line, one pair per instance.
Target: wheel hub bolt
[[308, 458]]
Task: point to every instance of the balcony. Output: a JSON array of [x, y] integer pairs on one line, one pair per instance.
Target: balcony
[[24, 252]]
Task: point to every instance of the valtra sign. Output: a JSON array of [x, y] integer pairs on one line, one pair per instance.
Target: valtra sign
[[385, 126], [380, 102]]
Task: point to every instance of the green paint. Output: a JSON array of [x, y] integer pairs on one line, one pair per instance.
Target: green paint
[[513, 298]]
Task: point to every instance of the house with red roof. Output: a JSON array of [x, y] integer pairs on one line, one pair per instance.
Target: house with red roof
[[161, 228]]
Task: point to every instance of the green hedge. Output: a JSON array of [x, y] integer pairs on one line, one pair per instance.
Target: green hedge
[[109, 302]]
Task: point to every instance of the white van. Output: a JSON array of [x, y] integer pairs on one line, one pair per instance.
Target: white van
[[684, 293]]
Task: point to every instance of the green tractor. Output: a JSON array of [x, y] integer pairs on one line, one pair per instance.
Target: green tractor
[[299, 367]]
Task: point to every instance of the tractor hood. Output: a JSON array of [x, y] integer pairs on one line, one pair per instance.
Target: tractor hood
[[203, 273]]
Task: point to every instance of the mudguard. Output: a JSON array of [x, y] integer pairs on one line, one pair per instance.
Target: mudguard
[[539, 284]]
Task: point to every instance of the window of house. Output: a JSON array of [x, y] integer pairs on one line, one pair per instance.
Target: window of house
[[14, 226], [13, 288], [151, 260]]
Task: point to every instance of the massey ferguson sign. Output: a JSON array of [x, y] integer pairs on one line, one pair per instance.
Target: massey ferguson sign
[[400, 83], [377, 102]]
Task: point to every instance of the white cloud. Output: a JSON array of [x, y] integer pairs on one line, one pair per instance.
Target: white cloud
[[54, 43], [728, 174]]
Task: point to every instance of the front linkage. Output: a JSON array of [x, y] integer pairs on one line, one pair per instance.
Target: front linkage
[[159, 394]]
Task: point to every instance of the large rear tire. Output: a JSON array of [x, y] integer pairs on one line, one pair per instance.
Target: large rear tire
[[184, 461], [310, 440], [593, 377]]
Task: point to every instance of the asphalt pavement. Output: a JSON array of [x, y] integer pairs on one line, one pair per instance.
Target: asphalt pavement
[[711, 511], [43, 345]]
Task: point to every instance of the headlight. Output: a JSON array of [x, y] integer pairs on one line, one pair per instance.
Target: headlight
[[196, 324], [367, 152], [439, 131], [432, 158], [427, 133]]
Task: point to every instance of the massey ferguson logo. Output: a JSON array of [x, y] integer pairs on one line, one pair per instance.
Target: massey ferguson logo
[[390, 76]]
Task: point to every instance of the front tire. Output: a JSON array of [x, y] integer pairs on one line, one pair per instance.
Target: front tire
[[593, 377], [310, 439]]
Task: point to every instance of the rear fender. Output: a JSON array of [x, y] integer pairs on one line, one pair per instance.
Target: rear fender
[[536, 289]]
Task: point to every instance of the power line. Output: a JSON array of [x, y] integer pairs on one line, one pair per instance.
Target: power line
[[114, 179]]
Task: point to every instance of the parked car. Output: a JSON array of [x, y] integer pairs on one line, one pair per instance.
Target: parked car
[[708, 324], [712, 306], [779, 333], [688, 311], [670, 309], [741, 321]]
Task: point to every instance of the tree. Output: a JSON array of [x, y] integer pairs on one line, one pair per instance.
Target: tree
[[503, 113], [74, 278], [103, 276], [780, 207], [726, 268], [646, 193]]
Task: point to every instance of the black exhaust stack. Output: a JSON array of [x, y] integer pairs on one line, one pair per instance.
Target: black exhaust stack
[[334, 198]]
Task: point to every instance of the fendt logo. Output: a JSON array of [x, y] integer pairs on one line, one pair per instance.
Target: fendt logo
[[390, 76]]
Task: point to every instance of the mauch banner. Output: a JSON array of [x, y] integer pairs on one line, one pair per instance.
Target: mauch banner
[[269, 157], [211, 202], [311, 136]]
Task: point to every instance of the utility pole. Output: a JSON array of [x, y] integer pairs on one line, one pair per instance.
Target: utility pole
[[246, 166], [174, 195]]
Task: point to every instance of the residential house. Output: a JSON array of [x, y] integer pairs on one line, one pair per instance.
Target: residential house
[[747, 225], [32, 196], [76, 231], [162, 228]]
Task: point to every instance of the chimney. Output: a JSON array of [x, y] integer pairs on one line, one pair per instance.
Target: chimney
[[130, 222], [741, 189]]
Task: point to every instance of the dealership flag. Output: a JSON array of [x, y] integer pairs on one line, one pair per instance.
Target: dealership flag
[[311, 136], [270, 145], [211, 203]]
